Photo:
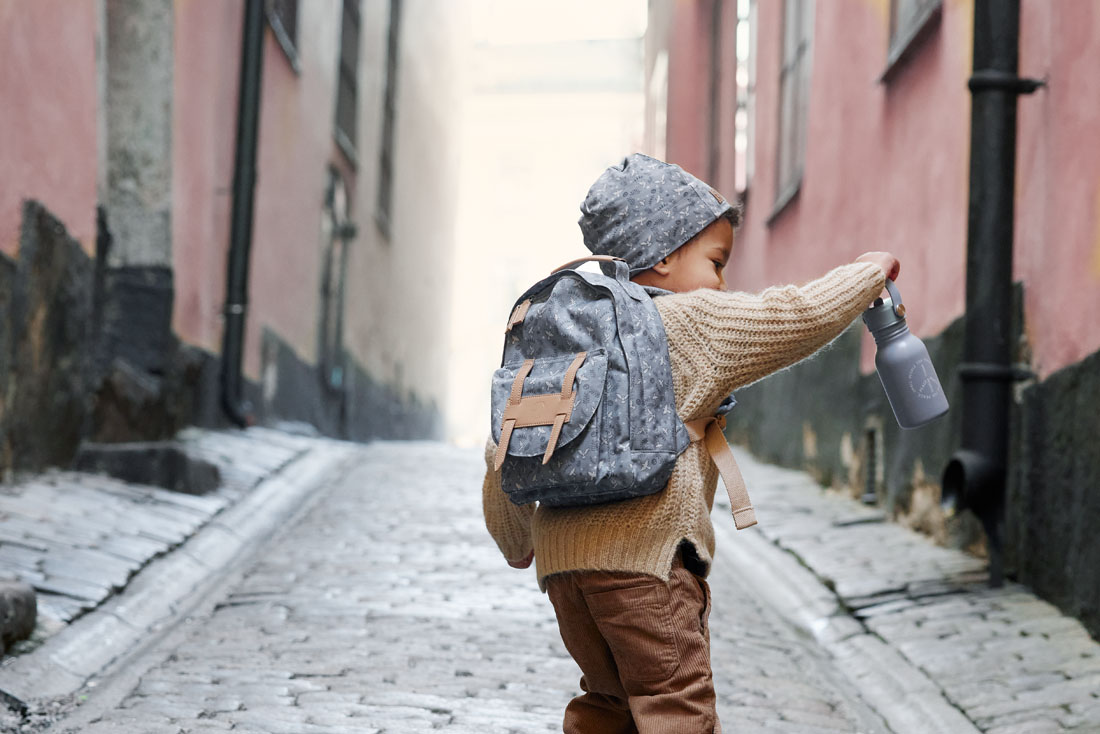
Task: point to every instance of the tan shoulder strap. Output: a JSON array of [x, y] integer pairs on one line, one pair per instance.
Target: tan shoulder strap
[[709, 431]]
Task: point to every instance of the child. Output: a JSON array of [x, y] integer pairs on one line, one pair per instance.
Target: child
[[627, 579]]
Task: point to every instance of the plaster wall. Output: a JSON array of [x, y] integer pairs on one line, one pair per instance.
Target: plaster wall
[[295, 148], [885, 169], [48, 133], [1057, 250], [689, 54], [204, 117], [398, 287]]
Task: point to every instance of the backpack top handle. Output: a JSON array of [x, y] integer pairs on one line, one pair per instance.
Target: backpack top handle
[[597, 258]]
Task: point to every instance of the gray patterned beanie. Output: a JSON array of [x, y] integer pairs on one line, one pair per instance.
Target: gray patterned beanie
[[643, 210]]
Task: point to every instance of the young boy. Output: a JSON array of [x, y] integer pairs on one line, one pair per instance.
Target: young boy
[[627, 579]]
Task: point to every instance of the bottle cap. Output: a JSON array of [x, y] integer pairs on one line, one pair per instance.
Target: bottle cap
[[885, 312]]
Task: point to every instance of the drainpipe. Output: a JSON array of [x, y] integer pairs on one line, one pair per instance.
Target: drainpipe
[[240, 238], [975, 475]]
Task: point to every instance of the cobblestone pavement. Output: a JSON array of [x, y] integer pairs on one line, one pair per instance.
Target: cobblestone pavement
[[77, 538], [387, 608], [1011, 662]]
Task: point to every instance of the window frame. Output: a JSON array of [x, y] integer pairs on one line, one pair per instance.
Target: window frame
[[287, 38], [348, 71], [383, 209], [746, 96], [903, 42], [794, 80]]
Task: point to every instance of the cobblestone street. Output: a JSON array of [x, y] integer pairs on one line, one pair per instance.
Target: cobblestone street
[[383, 606], [388, 608]]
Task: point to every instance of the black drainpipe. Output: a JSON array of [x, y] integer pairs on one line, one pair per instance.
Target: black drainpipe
[[975, 475], [240, 238]]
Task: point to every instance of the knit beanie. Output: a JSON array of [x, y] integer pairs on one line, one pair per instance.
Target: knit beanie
[[643, 210]]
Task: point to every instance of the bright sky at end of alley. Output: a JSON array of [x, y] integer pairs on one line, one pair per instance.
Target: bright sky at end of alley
[[501, 22]]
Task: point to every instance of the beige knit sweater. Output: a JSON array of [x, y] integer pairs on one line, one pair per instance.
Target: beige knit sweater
[[718, 341]]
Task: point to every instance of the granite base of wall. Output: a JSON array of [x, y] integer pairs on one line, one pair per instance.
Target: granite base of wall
[[46, 345], [88, 354], [1053, 523], [87, 350], [359, 408]]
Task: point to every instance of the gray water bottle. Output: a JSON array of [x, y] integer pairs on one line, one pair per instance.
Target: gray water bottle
[[902, 362]]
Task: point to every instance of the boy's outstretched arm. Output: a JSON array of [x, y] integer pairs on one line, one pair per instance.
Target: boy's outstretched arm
[[738, 338], [507, 522]]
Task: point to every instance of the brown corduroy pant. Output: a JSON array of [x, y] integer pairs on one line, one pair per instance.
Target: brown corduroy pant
[[643, 647]]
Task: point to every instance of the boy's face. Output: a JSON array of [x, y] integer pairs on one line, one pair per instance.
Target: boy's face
[[699, 263]]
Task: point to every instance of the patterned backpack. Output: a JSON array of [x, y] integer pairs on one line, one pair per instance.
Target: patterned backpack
[[583, 410]]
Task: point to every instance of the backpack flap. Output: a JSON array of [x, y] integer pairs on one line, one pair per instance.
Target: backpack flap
[[542, 404]]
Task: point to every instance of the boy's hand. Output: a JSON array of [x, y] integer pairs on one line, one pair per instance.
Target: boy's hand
[[524, 563], [884, 260]]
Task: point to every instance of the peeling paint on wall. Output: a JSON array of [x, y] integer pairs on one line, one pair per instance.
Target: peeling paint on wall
[[923, 512]]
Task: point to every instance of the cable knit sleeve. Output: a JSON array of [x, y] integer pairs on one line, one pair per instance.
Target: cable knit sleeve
[[507, 522], [738, 338]]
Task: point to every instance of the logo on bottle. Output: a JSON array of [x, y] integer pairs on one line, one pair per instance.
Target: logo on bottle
[[923, 381]]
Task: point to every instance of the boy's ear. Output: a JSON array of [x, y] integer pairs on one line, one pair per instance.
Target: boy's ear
[[662, 268]]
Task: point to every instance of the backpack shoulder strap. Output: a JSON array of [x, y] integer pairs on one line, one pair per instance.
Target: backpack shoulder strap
[[709, 431]]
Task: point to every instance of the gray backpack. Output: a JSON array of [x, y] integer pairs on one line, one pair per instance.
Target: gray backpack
[[582, 407], [583, 410]]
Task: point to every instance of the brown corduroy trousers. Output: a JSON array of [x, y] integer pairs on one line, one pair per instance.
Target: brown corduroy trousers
[[643, 647]]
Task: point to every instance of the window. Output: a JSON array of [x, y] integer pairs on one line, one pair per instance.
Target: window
[[336, 231], [347, 90], [909, 21], [794, 98], [282, 16], [714, 121], [744, 122], [389, 111]]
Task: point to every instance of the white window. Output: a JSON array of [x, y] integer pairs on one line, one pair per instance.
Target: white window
[[794, 98]]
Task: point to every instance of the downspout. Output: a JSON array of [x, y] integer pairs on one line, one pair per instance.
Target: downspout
[[240, 237], [974, 478]]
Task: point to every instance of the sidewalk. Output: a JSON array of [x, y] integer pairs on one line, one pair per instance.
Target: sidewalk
[[918, 625], [110, 561]]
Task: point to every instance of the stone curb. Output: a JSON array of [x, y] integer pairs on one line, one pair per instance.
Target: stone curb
[[155, 597], [905, 698]]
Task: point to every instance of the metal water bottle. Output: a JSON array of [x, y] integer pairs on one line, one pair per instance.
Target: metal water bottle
[[902, 362]]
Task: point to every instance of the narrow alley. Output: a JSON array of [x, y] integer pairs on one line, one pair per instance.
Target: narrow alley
[[383, 606]]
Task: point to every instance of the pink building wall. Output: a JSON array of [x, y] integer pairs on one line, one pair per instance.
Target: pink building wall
[[690, 42], [1058, 181], [885, 168], [207, 60], [294, 151], [887, 163], [48, 132], [688, 84]]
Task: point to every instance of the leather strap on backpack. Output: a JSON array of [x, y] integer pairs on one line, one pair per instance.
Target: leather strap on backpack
[[709, 431], [538, 410]]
